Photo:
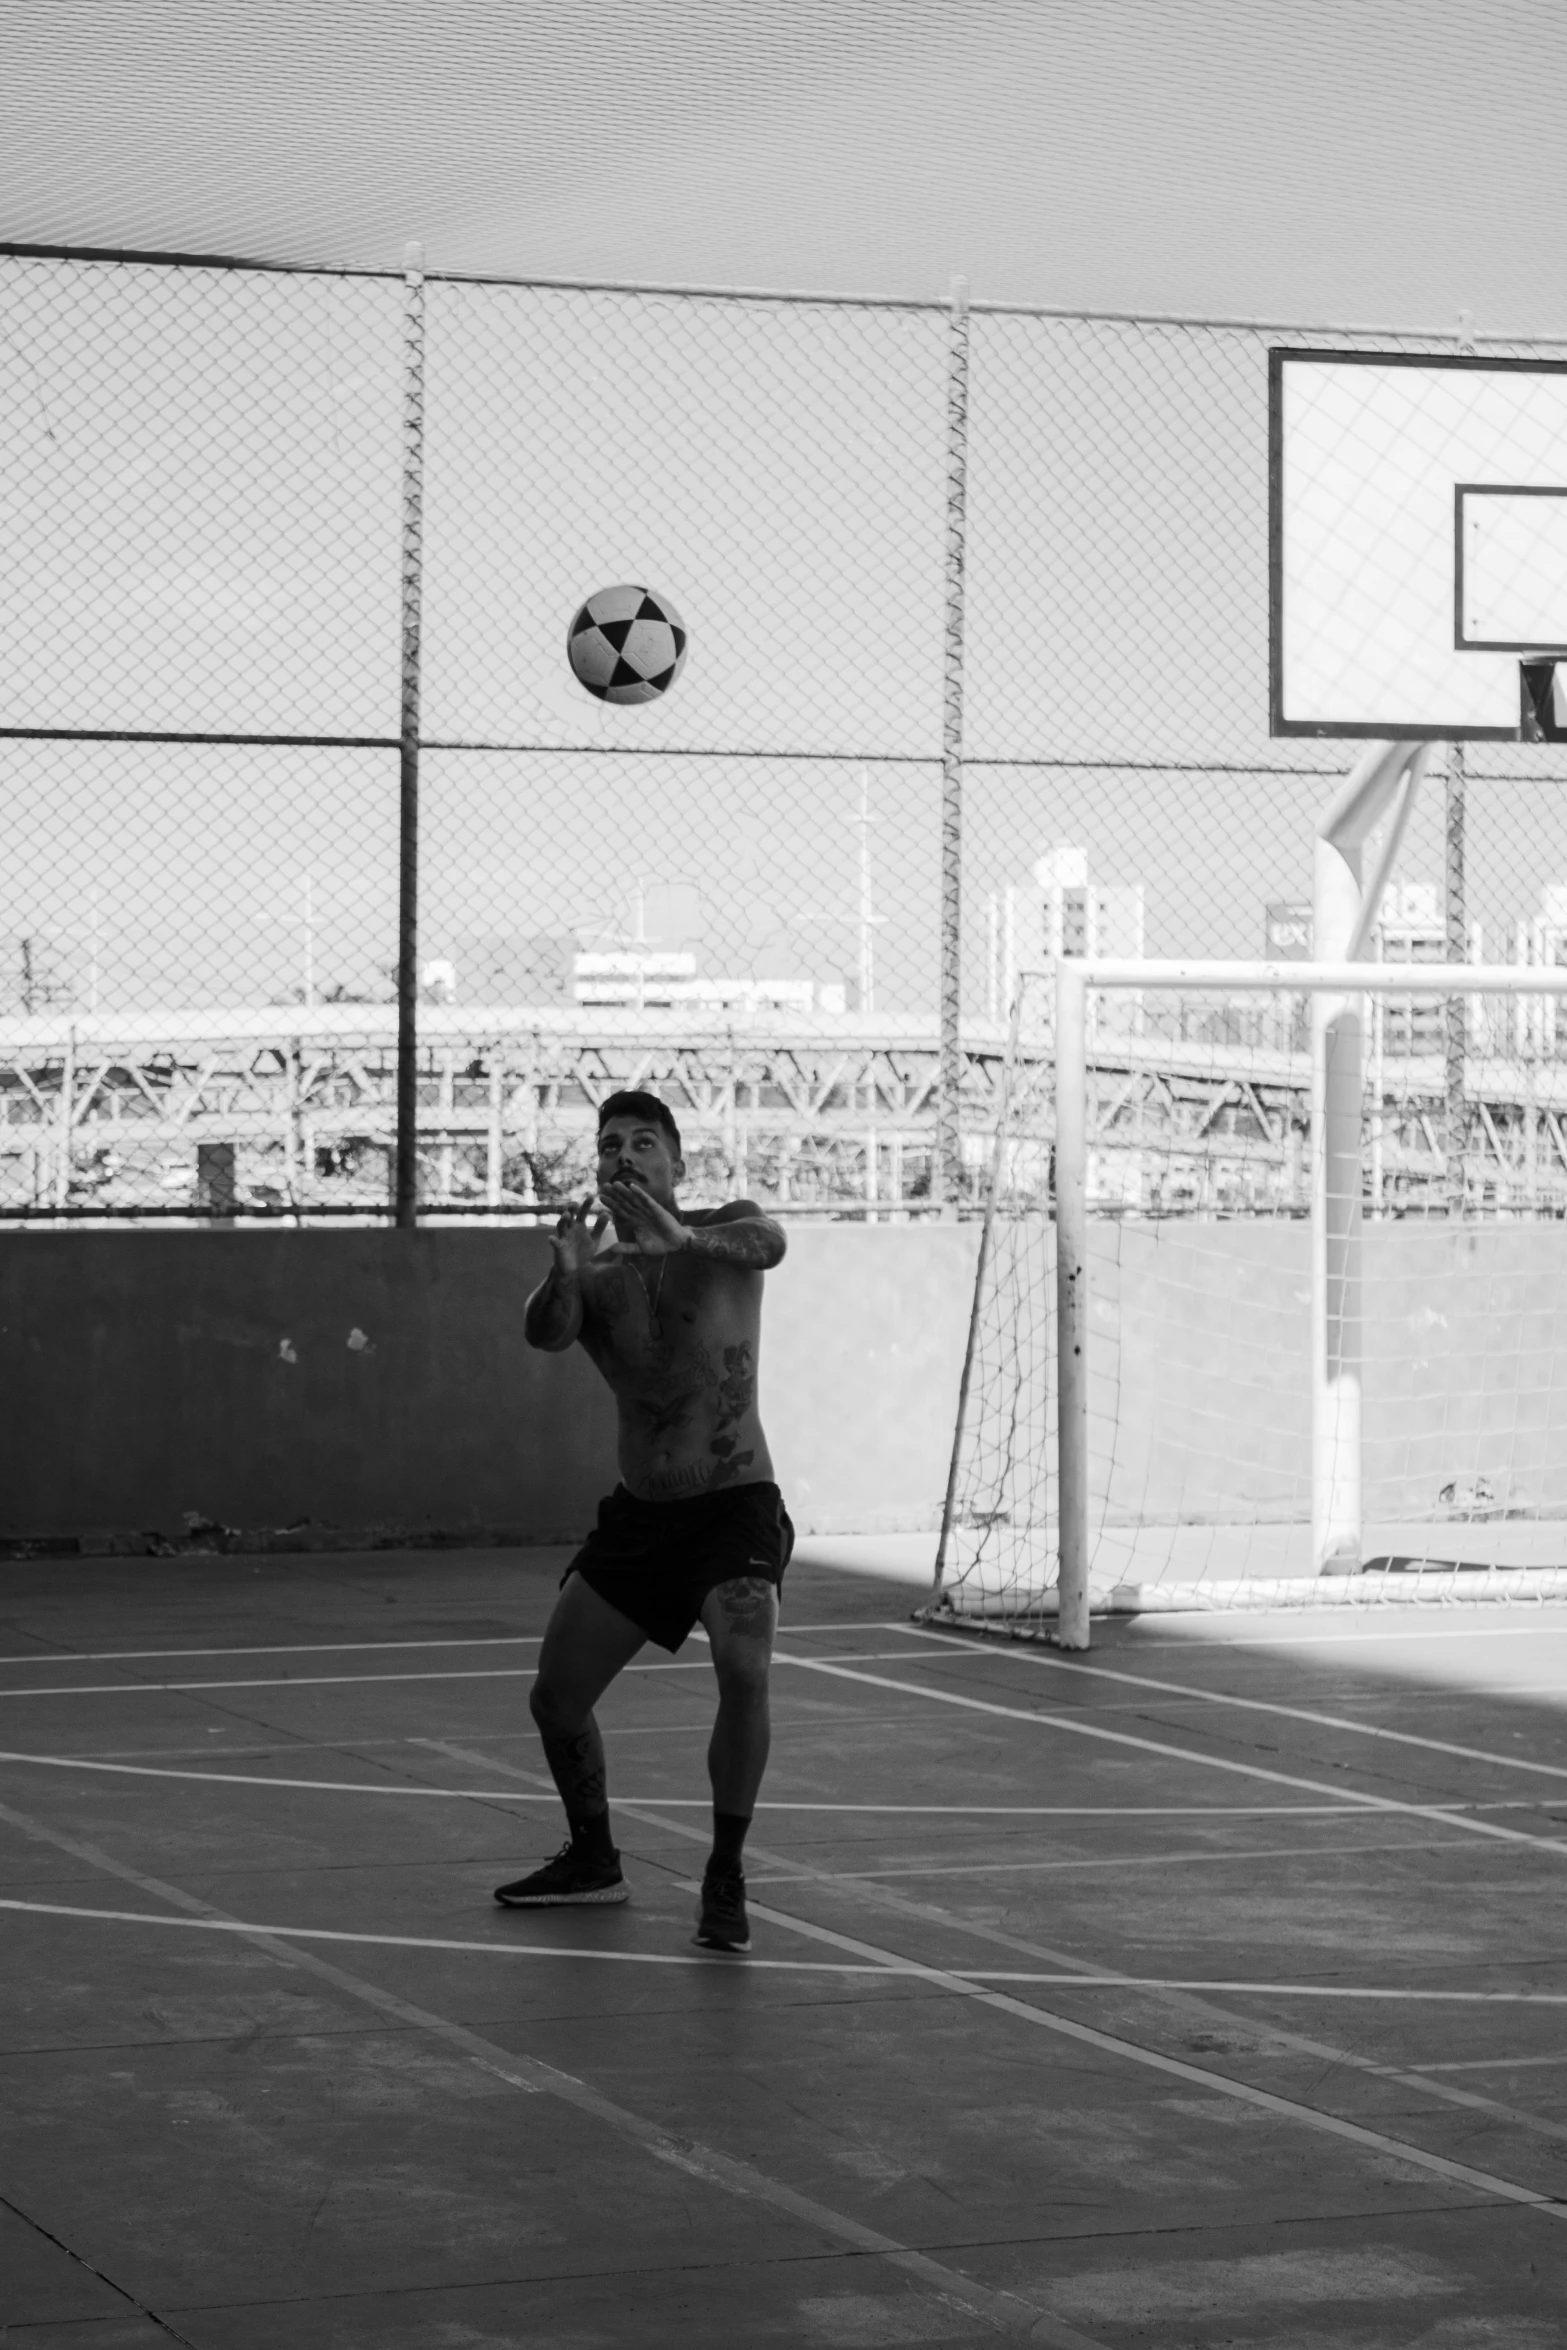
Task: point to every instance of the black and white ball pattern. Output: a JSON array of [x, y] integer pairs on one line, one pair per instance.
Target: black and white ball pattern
[[626, 645]]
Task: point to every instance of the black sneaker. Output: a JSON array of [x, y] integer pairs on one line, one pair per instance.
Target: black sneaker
[[572, 1878], [721, 1921]]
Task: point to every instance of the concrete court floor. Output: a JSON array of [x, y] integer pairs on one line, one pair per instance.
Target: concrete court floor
[[913, 2117]]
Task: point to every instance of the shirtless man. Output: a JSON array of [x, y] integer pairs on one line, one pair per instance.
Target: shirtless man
[[671, 1315]]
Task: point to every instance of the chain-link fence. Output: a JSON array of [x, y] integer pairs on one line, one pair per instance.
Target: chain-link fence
[[736, 893]]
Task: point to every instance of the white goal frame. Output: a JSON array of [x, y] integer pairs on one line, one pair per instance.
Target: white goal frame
[[1339, 990]]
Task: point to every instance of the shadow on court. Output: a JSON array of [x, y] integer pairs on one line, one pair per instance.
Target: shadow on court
[[1207, 1991]]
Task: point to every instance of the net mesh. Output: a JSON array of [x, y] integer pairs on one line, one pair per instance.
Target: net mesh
[[740, 888], [1199, 1402]]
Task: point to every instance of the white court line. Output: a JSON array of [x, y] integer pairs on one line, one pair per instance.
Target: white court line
[[1185, 1754], [1254, 1705], [1023, 1811], [109, 1656], [1337, 1796], [106, 1656], [1045, 2019], [351, 1680], [1383, 1631], [1154, 2060], [835, 1669], [285, 1681], [1489, 2064], [1011, 2312], [1134, 1860], [1310, 2117], [888, 1966], [137, 1917]]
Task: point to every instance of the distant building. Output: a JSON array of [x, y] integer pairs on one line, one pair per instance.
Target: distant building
[[1065, 913], [647, 979], [1411, 930], [1286, 936], [520, 968], [1539, 1023], [644, 976]]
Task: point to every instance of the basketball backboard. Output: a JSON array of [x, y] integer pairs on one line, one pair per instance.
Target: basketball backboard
[[1418, 540]]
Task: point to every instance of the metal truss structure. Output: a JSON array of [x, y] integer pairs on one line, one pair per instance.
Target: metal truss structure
[[293, 1110], [1225, 1129]]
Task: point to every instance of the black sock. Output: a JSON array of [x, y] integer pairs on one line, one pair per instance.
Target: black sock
[[590, 1835], [729, 1829]]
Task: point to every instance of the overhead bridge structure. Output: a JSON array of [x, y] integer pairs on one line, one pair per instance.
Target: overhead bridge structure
[[291, 1111]]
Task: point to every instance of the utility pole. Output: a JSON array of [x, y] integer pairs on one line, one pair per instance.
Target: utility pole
[[869, 919], [309, 977]]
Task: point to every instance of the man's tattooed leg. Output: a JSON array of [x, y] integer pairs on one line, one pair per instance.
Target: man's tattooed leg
[[576, 1763], [740, 1617]]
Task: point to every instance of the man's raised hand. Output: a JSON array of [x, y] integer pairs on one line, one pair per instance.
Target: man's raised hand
[[574, 1240], [655, 1230]]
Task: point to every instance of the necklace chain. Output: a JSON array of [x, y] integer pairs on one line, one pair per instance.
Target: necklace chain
[[654, 1326]]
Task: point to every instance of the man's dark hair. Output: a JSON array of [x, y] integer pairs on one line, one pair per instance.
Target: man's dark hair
[[645, 1106]]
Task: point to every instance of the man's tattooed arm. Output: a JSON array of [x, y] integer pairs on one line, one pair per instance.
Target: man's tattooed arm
[[552, 1317], [748, 1239]]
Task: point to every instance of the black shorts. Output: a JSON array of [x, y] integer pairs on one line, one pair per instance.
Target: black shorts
[[656, 1561]]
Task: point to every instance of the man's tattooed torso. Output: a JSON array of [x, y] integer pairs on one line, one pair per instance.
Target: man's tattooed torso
[[677, 1339]]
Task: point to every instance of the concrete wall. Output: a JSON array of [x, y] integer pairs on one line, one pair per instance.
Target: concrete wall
[[1200, 1369], [378, 1380]]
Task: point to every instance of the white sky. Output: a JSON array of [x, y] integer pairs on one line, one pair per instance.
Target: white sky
[[200, 501]]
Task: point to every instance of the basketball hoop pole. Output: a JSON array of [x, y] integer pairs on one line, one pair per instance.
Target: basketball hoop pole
[[1344, 916], [1456, 1022], [1071, 1205]]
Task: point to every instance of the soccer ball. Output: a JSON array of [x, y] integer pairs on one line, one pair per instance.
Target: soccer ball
[[626, 645]]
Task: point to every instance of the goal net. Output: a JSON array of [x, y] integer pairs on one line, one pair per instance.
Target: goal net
[[1243, 1338]]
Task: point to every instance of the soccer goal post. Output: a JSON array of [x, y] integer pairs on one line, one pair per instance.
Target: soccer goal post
[[1263, 1317]]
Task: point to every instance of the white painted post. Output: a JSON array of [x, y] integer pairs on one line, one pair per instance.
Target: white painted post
[[495, 1142], [62, 1165], [1343, 918], [1456, 1131], [1335, 1226], [446, 1162], [1072, 1301]]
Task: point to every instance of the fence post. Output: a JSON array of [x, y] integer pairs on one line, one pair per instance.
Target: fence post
[[946, 1163], [1457, 1006], [406, 1182], [1072, 1302], [62, 1168]]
